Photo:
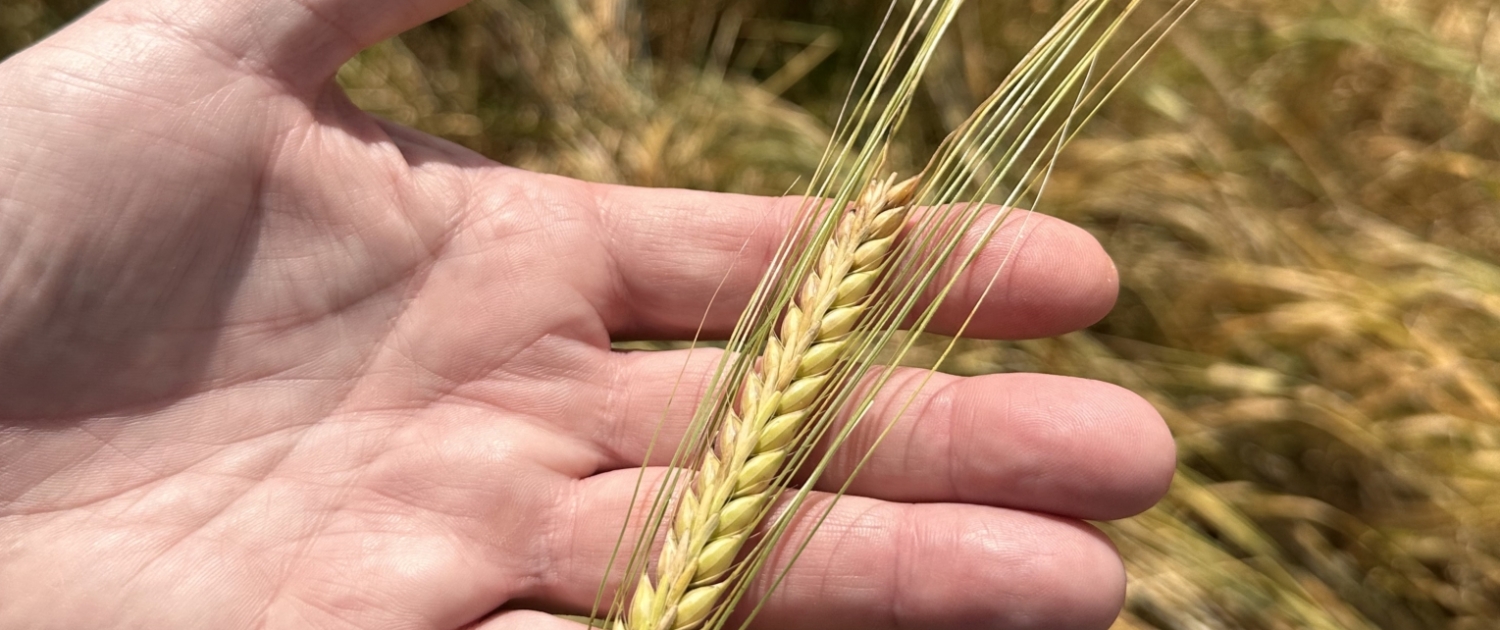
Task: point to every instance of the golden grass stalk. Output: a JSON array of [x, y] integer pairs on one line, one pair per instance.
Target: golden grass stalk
[[731, 491]]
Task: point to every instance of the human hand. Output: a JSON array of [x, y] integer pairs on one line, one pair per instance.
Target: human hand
[[266, 361]]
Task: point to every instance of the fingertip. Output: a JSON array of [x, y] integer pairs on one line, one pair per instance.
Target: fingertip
[[1131, 455], [1063, 445], [1038, 277], [1013, 570], [1094, 562], [1074, 576], [1064, 280], [1117, 453], [1157, 458]]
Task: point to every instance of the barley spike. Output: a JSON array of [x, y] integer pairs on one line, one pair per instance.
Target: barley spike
[[726, 499]]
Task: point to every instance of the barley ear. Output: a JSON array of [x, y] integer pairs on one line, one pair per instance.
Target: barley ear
[[733, 485]]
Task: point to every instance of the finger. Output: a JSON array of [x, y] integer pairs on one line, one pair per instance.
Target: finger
[[877, 565], [300, 42], [684, 257], [525, 620], [1054, 444], [1066, 446]]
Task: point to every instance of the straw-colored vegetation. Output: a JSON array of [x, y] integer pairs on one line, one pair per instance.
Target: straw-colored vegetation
[[1303, 197]]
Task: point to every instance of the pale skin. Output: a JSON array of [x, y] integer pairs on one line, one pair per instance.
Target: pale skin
[[266, 361]]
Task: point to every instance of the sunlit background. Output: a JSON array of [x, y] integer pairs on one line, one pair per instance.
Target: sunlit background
[[1303, 197]]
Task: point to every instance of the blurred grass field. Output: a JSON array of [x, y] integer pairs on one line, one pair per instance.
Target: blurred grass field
[[1303, 197]]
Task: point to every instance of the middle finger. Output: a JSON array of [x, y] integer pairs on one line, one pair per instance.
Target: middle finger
[[1055, 444]]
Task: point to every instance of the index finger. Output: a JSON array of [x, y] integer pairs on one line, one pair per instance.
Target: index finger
[[683, 257]]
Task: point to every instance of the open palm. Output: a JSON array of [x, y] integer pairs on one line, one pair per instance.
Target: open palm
[[266, 361]]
